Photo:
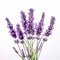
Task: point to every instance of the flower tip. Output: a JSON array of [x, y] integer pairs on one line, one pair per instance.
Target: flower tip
[[52, 18], [31, 9], [7, 19], [45, 39]]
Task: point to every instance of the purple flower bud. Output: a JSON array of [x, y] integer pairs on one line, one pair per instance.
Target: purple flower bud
[[23, 16], [38, 38], [19, 32], [23, 54], [50, 28], [31, 14], [13, 33], [30, 29], [10, 26], [22, 41], [45, 39], [30, 37], [16, 41], [52, 20], [15, 49], [40, 26]]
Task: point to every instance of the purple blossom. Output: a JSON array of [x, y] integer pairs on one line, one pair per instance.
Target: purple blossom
[[50, 28], [30, 27], [30, 37], [19, 32], [16, 41], [10, 26], [31, 14], [38, 38], [24, 21], [40, 26], [45, 39], [13, 33]]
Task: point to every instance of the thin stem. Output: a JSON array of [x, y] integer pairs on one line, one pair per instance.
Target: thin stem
[[41, 49], [19, 47], [20, 56], [32, 51], [20, 52]]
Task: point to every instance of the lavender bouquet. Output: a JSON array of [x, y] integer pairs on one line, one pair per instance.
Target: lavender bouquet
[[30, 41]]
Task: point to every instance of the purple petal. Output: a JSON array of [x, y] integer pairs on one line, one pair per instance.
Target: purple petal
[[45, 39], [13, 33], [16, 41]]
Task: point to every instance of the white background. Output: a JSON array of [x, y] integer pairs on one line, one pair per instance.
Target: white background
[[11, 9]]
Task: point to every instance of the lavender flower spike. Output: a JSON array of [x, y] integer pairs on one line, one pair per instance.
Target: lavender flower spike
[[31, 14], [10, 26], [41, 23], [49, 30], [30, 27], [24, 21], [19, 32]]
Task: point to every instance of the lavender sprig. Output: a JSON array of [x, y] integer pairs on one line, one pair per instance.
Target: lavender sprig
[[30, 27], [40, 26], [50, 28], [19, 32], [24, 21], [10, 26]]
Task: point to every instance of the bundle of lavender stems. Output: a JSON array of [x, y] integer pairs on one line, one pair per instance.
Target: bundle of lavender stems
[[30, 40]]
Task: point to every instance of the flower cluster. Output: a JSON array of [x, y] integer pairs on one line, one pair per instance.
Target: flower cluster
[[30, 41]]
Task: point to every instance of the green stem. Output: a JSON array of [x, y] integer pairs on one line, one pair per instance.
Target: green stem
[[20, 56], [20, 52], [32, 51], [41, 49]]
